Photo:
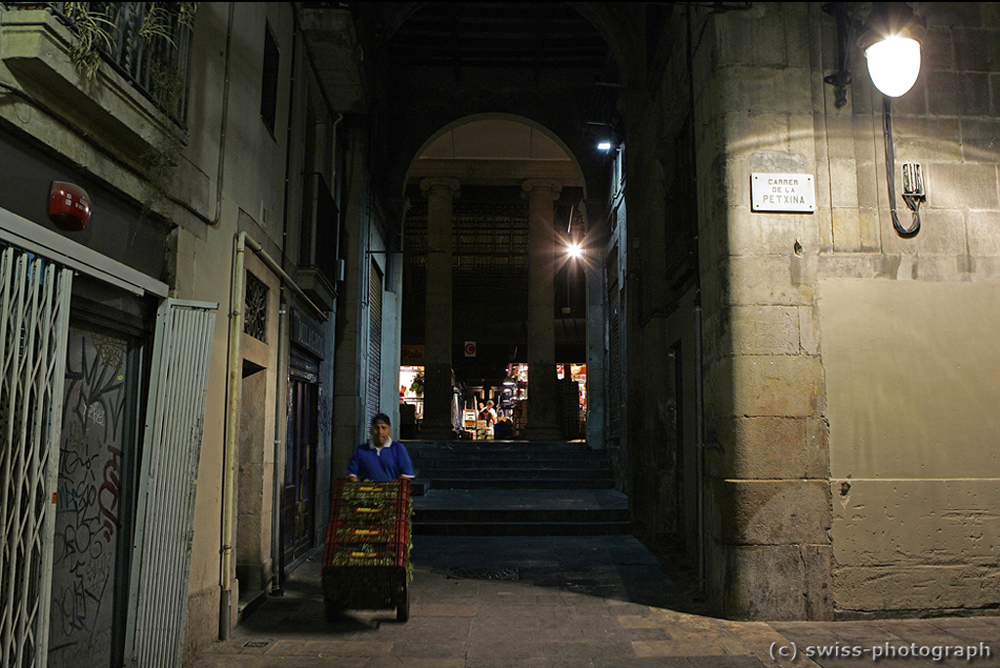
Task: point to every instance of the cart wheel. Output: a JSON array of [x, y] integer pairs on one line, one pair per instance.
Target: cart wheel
[[403, 611]]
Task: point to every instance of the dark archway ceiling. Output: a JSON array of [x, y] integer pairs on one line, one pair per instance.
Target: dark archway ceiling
[[543, 61], [531, 35]]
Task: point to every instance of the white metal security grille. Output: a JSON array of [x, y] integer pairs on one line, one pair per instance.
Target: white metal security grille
[[34, 319], [175, 417]]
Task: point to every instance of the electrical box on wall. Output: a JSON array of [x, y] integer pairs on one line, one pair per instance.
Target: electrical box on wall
[[913, 179], [69, 206]]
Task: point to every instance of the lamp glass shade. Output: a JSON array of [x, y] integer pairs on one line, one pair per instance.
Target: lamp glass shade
[[894, 64]]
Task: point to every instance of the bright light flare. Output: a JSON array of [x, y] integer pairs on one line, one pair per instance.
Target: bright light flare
[[894, 64], [604, 146], [574, 250]]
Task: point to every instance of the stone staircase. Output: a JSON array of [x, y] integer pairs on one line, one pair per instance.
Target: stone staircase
[[514, 488]]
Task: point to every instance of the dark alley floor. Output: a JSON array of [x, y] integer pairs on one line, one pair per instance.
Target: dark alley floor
[[572, 602]]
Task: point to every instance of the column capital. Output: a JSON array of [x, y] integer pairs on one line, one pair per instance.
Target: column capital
[[552, 188], [439, 183]]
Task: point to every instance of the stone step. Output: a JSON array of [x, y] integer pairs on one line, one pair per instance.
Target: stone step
[[522, 512], [490, 488], [498, 457], [504, 474], [497, 446], [519, 483], [522, 515], [586, 528]]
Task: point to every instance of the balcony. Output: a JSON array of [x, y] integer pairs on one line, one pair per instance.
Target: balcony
[[130, 89]]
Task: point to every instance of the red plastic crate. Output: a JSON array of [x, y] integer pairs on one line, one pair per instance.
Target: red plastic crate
[[351, 532], [369, 514], [368, 554]]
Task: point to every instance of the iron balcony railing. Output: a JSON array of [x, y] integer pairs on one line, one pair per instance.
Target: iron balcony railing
[[148, 43]]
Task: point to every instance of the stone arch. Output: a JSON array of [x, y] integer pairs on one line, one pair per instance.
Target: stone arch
[[490, 116]]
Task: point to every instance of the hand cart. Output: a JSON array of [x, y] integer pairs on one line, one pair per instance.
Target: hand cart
[[366, 564]]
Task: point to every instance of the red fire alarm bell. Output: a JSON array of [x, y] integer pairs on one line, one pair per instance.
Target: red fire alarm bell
[[69, 206]]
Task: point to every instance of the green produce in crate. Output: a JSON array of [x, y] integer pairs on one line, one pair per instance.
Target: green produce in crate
[[367, 560]]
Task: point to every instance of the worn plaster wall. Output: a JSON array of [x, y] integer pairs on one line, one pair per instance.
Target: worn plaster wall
[[913, 431], [914, 424]]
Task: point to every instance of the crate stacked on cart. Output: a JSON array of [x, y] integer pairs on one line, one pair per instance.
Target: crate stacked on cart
[[366, 565]]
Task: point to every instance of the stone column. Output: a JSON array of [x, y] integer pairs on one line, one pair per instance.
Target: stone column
[[436, 424], [542, 397]]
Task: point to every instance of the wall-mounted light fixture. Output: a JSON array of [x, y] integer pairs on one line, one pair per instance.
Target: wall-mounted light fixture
[[890, 39], [603, 135], [892, 47]]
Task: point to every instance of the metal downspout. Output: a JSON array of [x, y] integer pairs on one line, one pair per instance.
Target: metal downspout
[[233, 408], [280, 434], [229, 452], [280, 415], [699, 445]]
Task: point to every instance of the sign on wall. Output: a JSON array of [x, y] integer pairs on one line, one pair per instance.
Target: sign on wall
[[785, 193]]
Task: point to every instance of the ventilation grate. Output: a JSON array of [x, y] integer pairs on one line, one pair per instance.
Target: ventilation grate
[[510, 573]]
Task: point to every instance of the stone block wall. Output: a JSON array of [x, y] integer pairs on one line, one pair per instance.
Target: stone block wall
[[846, 367]]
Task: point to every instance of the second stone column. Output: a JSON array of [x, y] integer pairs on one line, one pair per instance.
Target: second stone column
[[542, 422], [437, 425]]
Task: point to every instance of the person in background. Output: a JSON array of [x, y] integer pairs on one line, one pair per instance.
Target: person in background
[[381, 459], [491, 419]]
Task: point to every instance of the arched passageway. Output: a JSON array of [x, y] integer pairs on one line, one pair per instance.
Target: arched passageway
[[495, 208], [487, 113]]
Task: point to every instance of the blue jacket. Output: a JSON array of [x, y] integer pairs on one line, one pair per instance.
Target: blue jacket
[[391, 462]]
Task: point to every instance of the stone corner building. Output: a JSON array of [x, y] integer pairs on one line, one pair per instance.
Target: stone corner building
[[803, 401]]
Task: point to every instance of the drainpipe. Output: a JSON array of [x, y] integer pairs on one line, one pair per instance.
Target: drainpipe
[[699, 444], [232, 429], [225, 120], [280, 429], [233, 407], [281, 377]]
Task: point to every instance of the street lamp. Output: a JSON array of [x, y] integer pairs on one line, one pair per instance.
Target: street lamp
[[890, 40], [892, 47]]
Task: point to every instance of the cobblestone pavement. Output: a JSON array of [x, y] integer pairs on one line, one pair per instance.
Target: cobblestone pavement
[[569, 602]]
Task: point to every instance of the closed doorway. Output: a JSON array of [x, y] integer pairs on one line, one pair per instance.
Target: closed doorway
[[298, 506]]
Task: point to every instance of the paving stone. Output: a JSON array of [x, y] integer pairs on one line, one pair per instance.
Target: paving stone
[[483, 624], [725, 661], [414, 662], [643, 662]]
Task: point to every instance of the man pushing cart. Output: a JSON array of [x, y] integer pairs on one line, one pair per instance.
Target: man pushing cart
[[366, 564]]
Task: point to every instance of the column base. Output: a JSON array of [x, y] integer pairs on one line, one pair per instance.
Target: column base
[[437, 432]]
